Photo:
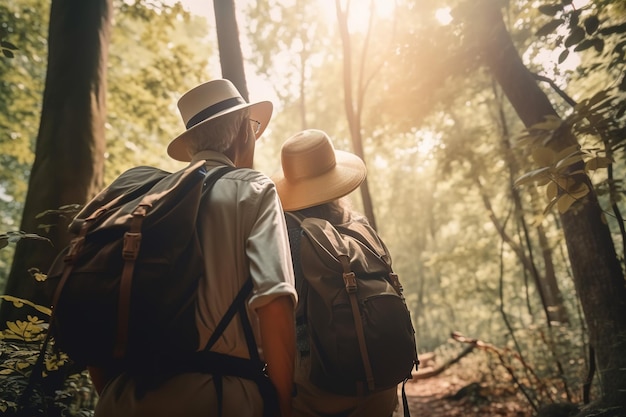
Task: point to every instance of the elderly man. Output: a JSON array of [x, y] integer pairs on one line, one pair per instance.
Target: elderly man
[[242, 233]]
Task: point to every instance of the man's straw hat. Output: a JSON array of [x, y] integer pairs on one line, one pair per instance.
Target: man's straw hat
[[209, 101], [313, 172]]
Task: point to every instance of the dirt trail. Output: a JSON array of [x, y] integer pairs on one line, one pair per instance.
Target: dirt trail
[[447, 395]]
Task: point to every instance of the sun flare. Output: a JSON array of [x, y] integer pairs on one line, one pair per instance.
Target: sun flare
[[361, 12]]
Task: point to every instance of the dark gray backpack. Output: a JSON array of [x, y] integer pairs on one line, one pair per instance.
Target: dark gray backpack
[[126, 286], [125, 290]]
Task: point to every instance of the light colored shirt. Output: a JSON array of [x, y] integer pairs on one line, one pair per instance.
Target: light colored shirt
[[243, 233]]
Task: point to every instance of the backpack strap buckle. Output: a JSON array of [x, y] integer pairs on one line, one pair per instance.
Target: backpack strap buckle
[[76, 245], [348, 276], [132, 241], [350, 280], [395, 282]]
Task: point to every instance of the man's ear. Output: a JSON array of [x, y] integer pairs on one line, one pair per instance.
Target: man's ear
[[244, 132]]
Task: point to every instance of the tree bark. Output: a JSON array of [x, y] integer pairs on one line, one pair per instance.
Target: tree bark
[[231, 58], [353, 111], [555, 306], [69, 158], [598, 277]]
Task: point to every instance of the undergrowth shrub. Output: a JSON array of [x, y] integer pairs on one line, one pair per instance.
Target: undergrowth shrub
[[63, 388]]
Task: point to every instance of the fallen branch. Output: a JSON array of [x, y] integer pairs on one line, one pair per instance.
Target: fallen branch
[[500, 354], [429, 374]]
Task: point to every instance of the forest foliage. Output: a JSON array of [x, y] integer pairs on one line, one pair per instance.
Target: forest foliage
[[463, 202]]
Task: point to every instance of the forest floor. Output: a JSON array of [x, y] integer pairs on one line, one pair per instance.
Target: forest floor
[[449, 395]]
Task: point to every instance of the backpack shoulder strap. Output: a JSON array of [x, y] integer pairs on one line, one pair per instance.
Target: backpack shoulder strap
[[365, 234], [327, 239], [234, 307], [238, 304], [214, 175], [295, 217], [369, 237], [135, 230]]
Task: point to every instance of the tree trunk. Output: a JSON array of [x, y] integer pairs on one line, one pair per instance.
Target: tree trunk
[[69, 158], [554, 304], [231, 58], [353, 112], [598, 277]]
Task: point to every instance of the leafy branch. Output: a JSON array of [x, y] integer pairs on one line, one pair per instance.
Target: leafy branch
[[14, 237], [560, 170], [6, 47]]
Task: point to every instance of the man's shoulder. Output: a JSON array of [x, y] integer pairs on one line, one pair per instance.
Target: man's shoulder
[[253, 180], [250, 175]]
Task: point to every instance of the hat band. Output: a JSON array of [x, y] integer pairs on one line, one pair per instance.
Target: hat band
[[214, 109]]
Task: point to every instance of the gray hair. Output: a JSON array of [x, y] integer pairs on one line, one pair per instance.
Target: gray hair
[[217, 135]]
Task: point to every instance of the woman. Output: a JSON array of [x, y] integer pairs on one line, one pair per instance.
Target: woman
[[312, 182]]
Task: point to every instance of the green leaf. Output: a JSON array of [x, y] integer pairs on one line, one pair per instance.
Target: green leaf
[[610, 30], [552, 190], [565, 163], [8, 45], [598, 44], [16, 236], [579, 192], [597, 163], [563, 56], [550, 9], [564, 183], [564, 202], [585, 44], [549, 27], [543, 156], [591, 24], [7, 53], [577, 34], [598, 97], [20, 302], [567, 151], [532, 176]]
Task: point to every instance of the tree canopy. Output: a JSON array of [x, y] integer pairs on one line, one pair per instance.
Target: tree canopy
[[471, 197]]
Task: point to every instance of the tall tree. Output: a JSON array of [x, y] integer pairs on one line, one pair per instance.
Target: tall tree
[[598, 276], [354, 97], [231, 58], [68, 166]]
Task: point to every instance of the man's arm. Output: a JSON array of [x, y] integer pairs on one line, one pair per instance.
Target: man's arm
[[277, 326]]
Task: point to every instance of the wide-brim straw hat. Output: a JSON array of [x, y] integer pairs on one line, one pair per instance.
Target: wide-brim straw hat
[[314, 172], [207, 102]]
